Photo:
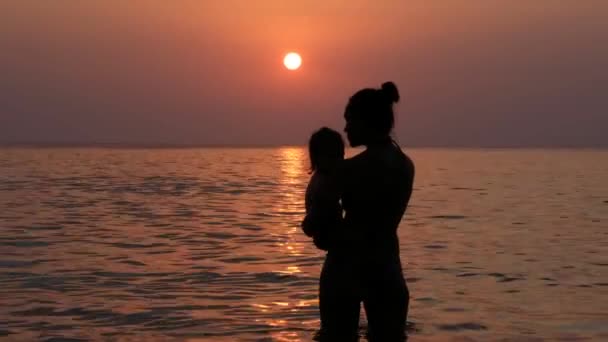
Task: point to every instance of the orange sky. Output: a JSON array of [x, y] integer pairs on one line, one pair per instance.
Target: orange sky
[[471, 73]]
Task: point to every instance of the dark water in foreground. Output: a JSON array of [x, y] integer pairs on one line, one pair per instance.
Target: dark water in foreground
[[204, 245]]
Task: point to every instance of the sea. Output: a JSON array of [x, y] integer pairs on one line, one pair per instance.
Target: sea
[[204, 244]]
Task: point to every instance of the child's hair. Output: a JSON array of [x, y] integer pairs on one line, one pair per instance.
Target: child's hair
[[325, 146]]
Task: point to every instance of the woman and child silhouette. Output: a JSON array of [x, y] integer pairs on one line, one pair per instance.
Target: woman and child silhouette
[[353, 210]]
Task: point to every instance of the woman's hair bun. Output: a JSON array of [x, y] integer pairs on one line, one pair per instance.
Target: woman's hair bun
[[390, 91]]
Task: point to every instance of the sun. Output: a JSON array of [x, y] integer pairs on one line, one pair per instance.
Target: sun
[[292, 61]]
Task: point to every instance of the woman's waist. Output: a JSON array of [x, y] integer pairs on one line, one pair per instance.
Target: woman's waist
[[368, 233], [377, 247], [364, 260]]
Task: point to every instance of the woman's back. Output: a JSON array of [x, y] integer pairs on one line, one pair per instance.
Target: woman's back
[[376, 190]]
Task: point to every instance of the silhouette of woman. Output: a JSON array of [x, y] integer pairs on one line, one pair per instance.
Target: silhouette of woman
[[363, 263]]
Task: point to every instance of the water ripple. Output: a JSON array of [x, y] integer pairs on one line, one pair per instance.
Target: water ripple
[[204, 244]]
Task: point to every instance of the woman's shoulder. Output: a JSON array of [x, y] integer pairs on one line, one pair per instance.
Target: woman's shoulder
[[356, 160], [347, 168], [377, 160]]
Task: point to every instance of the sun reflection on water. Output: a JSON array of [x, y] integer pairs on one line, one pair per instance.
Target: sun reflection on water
[[291, 204], [287, 336], [289, 207]]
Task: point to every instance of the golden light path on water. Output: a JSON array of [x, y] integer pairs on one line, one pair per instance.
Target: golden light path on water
[[292, 179], [205, 245]]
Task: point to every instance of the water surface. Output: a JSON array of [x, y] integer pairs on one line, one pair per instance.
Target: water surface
[[204, 245]]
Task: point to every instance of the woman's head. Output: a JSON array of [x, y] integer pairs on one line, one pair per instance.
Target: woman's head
[[325, 148], [369, 115]]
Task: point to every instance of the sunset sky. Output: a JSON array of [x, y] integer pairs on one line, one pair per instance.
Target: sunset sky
[[471, 72]]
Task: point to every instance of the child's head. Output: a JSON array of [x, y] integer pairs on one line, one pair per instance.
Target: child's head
[[325, 149]]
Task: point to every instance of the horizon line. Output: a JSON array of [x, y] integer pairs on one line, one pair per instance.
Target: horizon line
[[122, 145]]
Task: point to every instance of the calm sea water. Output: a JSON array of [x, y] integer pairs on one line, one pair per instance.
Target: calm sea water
[[204, 245]]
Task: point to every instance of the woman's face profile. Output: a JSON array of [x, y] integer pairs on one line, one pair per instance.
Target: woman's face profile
[[354, 130]]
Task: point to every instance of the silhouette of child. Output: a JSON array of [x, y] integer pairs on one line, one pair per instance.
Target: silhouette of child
[[326, 152]]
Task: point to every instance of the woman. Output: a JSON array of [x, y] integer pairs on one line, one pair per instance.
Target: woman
[[363, 263]]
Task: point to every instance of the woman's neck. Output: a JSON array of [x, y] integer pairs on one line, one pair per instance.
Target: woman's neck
[[379, 143]]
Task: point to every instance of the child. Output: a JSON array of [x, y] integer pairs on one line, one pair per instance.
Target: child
[[326, 151]]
